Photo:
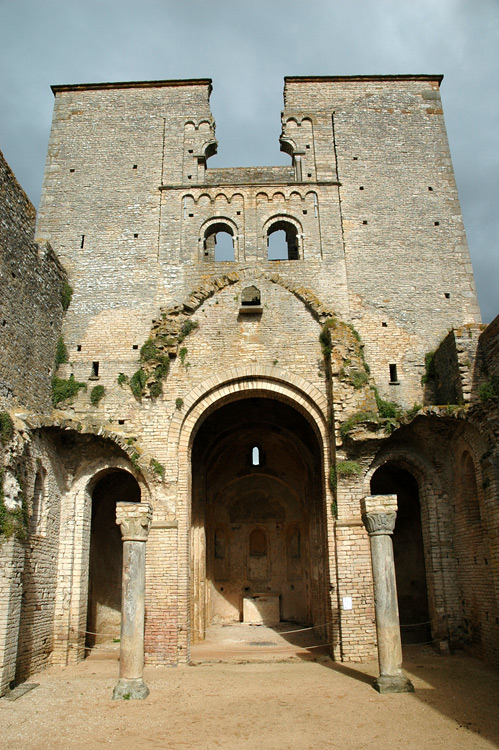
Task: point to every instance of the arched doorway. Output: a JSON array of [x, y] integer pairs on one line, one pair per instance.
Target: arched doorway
[[408, 551], [257, 515], [106, 554]]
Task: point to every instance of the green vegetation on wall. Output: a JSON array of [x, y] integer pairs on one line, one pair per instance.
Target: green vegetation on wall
[[157, 467], [63, 390], [155, 361], [489, 391], [66, 295], [13, 521], [430, 372], [96, 394], [6, 427], [61, 353]]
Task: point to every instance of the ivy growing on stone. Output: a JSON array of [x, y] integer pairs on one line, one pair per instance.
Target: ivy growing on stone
[[489, 391], [61, 352], [155, 357], [66, 295], [157, 467], [6, 427], [96, 394], [13, 521], [348, 469], [63, 390]]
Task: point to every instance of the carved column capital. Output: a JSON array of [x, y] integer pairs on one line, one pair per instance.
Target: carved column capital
[[379, 513], [135, 521]]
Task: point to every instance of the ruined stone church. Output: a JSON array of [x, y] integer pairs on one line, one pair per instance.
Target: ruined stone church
[[246, 355]]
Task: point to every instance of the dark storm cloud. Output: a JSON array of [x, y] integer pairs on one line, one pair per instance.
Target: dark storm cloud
[[247, 47]]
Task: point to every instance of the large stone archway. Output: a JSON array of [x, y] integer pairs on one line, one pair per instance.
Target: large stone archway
[[258, 525], [287, 394]]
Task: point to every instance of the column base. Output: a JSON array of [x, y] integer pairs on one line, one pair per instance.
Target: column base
[[130, 690], [393, 683]]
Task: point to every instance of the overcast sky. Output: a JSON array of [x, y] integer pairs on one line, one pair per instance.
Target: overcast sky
[[247, 47]]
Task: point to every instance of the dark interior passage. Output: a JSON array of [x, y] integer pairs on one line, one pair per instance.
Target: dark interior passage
[[104, 585], [408, 551], [257, 519]]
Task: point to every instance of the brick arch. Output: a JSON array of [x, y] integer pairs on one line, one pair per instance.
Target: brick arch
[[70, 616], [437, 542], [272, 381], [206, 398]]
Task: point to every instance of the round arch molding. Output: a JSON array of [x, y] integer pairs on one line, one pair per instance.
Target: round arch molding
[[271, 382], [434, 509], [202, 402]]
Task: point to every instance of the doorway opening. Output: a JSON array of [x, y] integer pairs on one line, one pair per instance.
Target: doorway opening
[[408, 551], [258, 528], [106, 555]]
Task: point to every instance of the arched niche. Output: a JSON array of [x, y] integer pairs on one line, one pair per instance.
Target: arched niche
[[105, 560], [246, 506], [408, 550]]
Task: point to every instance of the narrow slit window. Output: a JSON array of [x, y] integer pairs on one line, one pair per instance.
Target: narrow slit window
[[82, 243], [255, 456]]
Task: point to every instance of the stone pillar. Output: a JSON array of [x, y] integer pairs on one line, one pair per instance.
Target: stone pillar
[[135, 521], [379, 513]]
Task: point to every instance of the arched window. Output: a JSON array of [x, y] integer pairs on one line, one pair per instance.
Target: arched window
[[250, 296], [255, 456], [218, 242], [282, 241]]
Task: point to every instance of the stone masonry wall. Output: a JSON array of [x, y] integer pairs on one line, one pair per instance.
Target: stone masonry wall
[[30, 307], [128, 203]]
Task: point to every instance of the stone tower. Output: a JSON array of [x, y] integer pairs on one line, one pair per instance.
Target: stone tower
[[245, 351]]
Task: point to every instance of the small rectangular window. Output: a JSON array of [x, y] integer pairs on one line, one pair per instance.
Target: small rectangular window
[[393, 374], [95, 369]]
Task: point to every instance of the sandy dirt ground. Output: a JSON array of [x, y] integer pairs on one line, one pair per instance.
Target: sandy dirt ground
[[280, 702]]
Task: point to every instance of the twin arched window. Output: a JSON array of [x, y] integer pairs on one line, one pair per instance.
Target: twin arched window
[[282, 241]]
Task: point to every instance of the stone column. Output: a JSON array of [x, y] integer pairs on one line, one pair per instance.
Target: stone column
[[135, 521], [379, 513]]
